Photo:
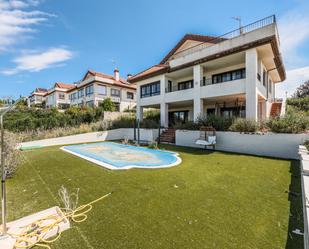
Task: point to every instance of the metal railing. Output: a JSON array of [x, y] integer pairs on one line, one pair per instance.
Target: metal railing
[[230, 35], [176, 88]]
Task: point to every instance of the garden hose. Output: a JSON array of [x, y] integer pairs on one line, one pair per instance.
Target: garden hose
[[33, 234]]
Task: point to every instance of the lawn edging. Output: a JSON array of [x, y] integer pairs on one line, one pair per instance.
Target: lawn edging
[[278, 145], [304, 164]]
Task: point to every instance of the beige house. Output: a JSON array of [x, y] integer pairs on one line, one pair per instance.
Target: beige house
[[37, 97], [96, 86], [58, 97], [231, 75]]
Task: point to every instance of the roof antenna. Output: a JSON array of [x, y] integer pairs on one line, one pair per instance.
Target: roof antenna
[[238, 19], [114, 63]]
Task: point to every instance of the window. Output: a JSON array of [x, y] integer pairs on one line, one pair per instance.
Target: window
[[101, 90], [130, 95], [90, 103], [115, 92], [270, 86], [228, 76], [61, 95], [185, 85], [264, 77], [81, 93], [151, 89], [178, 117], [89, 90], [73, 96], [229, 112]]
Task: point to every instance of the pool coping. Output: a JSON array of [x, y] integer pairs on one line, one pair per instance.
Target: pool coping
[[111, 167]]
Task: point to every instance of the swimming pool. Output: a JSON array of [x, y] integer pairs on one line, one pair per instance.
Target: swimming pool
[[120, 156]]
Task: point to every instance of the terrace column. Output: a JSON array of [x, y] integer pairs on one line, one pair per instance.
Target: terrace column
[[251, 84], [163, 105], [197, 101], [164, 115]]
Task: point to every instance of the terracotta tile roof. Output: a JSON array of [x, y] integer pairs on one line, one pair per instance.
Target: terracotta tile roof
[[64, 85], [150, 71], [163, 66], [121, 82], [41, 90], [192, 37]]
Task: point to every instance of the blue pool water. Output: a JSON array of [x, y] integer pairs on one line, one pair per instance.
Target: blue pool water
[[120, 156]]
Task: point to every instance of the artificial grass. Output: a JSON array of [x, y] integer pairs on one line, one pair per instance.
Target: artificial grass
[[212, 200]]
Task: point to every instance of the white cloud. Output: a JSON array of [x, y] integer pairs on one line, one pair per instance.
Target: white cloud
[[294, 79], [34, 62], [16, 22]]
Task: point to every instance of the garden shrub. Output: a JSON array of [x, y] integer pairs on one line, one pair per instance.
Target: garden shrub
[[217, 122], [244, 125], [107, 105], [292, 122]]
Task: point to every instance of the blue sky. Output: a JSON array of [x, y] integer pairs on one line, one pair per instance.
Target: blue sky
[[44, 41]]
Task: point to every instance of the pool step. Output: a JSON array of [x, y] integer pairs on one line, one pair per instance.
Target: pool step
[[168, 136]]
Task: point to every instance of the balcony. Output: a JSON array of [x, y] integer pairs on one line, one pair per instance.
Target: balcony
[[177, 88], [245, 35]]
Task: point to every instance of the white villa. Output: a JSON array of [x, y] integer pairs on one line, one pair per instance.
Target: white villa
[[58, 97], [37, 97], [231, 75], [96, 86]]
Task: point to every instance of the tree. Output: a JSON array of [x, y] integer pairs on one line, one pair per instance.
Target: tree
[[108, 105], [302, 91]]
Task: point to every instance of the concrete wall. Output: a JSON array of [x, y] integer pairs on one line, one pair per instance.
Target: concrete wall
[[117, 134], [269, 144], [304, 163]]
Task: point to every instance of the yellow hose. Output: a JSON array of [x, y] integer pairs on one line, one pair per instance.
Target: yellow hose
[[33, 234]]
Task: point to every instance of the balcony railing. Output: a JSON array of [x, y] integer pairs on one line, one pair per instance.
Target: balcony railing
[[230, 35], [176, 88]]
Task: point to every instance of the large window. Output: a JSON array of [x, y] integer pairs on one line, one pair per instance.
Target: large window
[[73, 96], [80, 93], [185, 85], [228, 76], [101, 90], [89, 90], [115, 92], [61, 96], [229, 112], [270, 86], [178, 117], [151, 89], [130, 95]]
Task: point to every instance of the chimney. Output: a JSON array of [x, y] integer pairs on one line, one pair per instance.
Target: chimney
[[116, 74], [129, 76]]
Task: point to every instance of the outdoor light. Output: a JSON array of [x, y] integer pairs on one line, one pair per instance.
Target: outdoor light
[[3, 172]]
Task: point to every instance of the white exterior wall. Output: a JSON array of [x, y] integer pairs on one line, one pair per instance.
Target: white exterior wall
[[269, 144], [124, 102], [117, 134]]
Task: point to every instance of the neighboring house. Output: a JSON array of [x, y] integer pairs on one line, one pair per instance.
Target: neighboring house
[[37, 97], [95, 87], [231, 75], [58, 97]]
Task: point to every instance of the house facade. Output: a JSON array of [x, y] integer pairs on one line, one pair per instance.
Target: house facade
[[57, 97], [37, 97], [232, 75], [96, 86]]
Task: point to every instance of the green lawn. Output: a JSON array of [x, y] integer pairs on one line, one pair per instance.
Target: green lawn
[[222, 201]]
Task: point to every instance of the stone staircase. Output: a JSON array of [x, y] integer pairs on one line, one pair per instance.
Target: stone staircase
[[168, 136], [275, 109]]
